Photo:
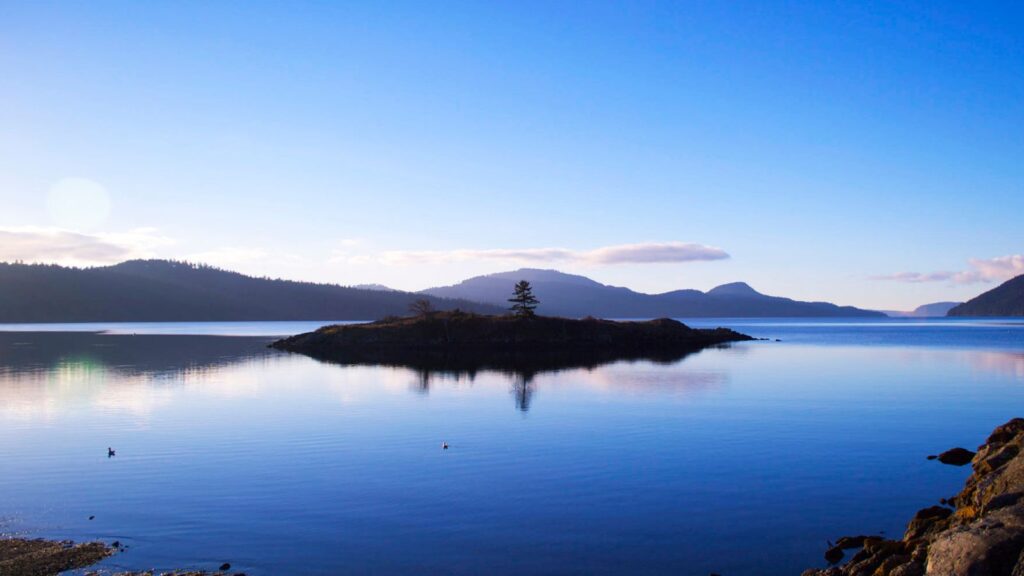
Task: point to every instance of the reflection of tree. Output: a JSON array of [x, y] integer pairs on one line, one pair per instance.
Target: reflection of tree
[[523, 389], [521, 367], [423, 378]]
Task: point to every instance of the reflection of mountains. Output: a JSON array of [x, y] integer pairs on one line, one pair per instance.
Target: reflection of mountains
[[43, 374], [126, 354]]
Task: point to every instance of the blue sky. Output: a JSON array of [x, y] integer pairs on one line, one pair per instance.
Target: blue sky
[[865, 153]]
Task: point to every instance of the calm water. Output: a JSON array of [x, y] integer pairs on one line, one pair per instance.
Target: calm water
[[740, 461]]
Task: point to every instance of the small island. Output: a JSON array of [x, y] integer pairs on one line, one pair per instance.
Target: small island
[[466, 332], [461, 341], [520, 340]]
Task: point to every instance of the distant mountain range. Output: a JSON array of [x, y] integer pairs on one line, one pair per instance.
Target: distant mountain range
[[1007, 299], [160, 290], [570, 295], [377, 287], [933, 310]]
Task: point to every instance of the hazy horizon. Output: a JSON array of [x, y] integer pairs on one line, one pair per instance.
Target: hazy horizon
[[866, 155], [379, 286]]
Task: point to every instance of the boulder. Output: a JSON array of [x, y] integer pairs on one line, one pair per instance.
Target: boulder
[[990, 546], [956, 457], [927, 521]]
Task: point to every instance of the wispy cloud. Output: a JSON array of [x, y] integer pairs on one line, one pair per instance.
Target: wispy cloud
[[980, 270], [916, 277], [643, 253], [59, 246], [1002, 268], [654, 253]]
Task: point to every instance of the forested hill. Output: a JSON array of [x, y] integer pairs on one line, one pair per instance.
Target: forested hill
[[1007, 299], [161, 290]]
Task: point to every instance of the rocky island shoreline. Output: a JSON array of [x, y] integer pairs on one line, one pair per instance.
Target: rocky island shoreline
[[40, 557], [978, 532], [461, 340]]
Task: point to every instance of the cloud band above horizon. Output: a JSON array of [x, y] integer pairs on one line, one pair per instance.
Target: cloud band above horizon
[[981, 270], [640, 253], [58, 246]]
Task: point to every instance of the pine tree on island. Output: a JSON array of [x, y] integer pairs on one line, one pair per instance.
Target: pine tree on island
[[523, 302]]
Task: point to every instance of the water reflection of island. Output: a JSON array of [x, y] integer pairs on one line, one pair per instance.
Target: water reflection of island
[[521, 369], [32, 363], [469, 362]]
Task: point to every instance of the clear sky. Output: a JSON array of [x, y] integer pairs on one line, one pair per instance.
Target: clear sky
[[863, 153]]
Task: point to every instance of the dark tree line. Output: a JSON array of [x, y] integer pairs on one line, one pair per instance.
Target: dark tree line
[[160, 290]]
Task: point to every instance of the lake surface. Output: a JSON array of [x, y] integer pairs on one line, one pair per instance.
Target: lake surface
[[740, 460]]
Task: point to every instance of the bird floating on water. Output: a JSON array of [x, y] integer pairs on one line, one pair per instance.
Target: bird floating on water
[[111, 452], [444, 445]]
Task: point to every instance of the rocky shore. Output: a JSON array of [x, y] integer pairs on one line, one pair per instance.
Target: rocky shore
[[978, 532], [39, 557], [24, 557]]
